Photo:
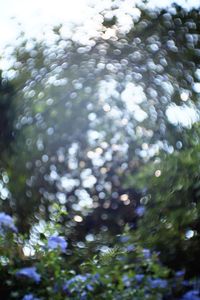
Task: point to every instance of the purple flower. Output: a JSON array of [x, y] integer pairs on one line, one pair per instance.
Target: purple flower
[[191, 295], [74, 282], [78, 282], [89, 287], [126, 280], [147, 253], [77, 278], [139, 277], [124, 238], [55, 242], [95, 278], [140, 210], [6, 221], [180, 273], [83, 295], [130, 248], [158, 283], [185, 283], [30, 297], [29, 272]]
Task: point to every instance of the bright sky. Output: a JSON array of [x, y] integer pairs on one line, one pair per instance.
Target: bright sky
[[38, 15]]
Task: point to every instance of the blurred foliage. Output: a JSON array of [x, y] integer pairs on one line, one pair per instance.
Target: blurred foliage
[[81, 120], [171, 222], [86, 115]]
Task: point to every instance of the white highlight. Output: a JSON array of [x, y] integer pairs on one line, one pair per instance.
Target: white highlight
[[182, 115]]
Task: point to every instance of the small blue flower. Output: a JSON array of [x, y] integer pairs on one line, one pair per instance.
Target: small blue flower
[[191, 295], [180, 273], [55, 242], [158, 283], [124, 238], [126, 280], [6, 221], [83, 295], [30, 297], [82, 278], [147, 253], [95, 278], [130, 248], [77, 278], [81, 282], [139, 277], [74, 280], [29, 272], [89, 287], [140, 210], [186, 283]]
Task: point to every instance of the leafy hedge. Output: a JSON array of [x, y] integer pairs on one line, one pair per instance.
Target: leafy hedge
[[55, 270]]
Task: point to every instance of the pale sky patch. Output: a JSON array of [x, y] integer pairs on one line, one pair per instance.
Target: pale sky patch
[[38, 16]]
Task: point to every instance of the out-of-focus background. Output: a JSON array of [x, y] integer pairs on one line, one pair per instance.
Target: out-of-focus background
[[99, 116]]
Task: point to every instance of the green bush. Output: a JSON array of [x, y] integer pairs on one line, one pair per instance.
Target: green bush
[[56, 270], [171, 222]]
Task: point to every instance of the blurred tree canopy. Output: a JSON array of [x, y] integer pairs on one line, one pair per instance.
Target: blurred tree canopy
[[82, 118]]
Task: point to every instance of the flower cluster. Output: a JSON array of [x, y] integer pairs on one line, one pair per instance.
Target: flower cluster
[[6, 222], [29, 272], [191, 295], [30, 297], [81, 284], [57, 242], [124, 272]]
